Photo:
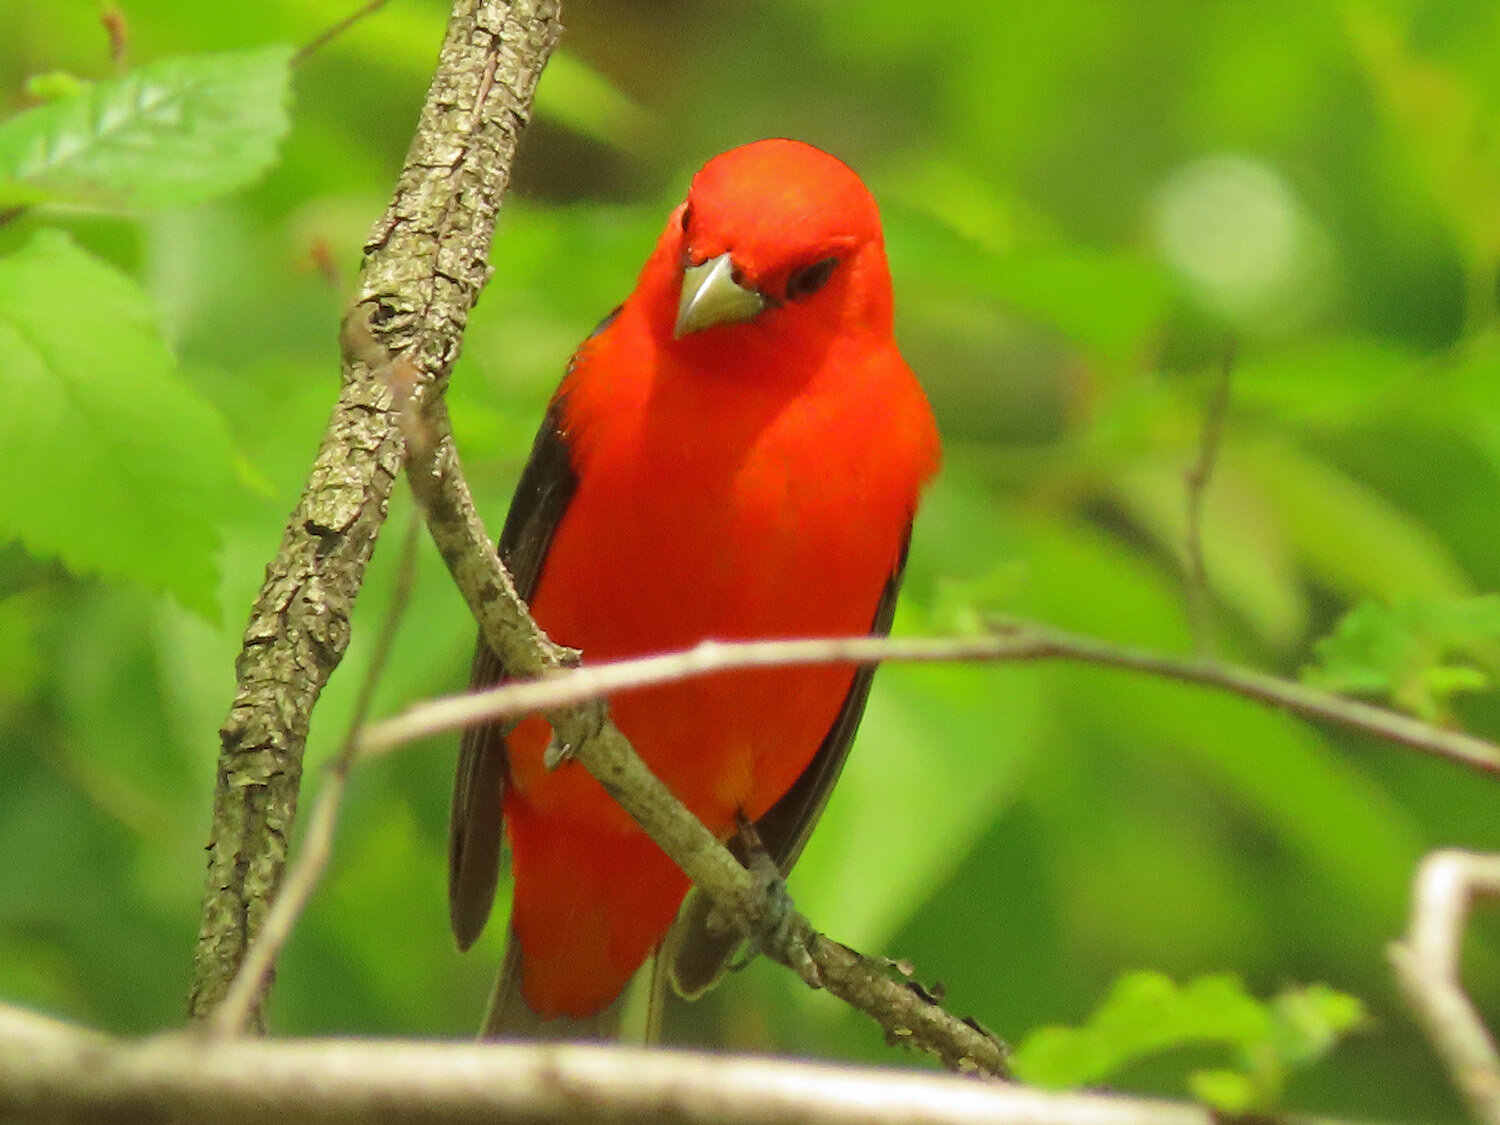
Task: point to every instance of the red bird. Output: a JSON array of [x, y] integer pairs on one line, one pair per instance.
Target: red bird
[[736, 453]]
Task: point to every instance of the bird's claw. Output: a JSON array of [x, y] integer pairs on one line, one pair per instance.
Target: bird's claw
[[773, 931]]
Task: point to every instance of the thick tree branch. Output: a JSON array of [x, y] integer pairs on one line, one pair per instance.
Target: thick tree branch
[[234, 1011], [1427, 965], [52, 1073], [584, 731], [424, 265]]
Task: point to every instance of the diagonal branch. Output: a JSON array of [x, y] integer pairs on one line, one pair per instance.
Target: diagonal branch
[[425, 263], [584, 731]]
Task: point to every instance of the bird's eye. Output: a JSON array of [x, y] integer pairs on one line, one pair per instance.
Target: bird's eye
[[687, 217], [807, 281]]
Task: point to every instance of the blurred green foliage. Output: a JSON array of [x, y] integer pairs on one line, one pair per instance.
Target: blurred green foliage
[[1418, 654], [172, 133], [1084, 199], [1146, 1014]]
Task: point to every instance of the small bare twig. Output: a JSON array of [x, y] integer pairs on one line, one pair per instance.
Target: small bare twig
[[1016, 642], [1199, 596], [1427, 965], [327, 35], [118, 30], [249, 984]]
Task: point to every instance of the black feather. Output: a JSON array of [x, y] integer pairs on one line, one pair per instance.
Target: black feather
[[697, 952]]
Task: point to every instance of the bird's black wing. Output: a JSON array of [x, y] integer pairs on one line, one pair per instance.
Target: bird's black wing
[[699, 953], [542, 494]]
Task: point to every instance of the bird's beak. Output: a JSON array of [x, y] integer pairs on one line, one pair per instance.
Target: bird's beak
[[710, 296]]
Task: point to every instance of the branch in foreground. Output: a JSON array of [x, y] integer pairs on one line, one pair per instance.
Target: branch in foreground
[[1427, 965], [1015, 642], [425, 262], [583, 730], [51, 1072]]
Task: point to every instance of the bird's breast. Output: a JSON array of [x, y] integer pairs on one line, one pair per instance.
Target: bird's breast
[[694, 518]]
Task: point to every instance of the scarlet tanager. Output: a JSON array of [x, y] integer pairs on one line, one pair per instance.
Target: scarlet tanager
[[736, 453]]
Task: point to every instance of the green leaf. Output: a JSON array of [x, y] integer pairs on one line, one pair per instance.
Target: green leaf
[[1338, 523], [1336, 382], [1108, 303], [1440, 117], [110, 460], [1228, 1091], [55, 85], [1310, 1021], [172, 133], [1419, 653], [1146, 1014]]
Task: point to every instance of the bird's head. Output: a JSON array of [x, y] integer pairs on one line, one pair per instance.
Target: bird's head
[[776, 241]]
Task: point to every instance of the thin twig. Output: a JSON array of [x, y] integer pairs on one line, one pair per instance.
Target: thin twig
[[1199, 596], [327, 35], [1016, 642], [1427, 966], [249, 984], [112, 17]]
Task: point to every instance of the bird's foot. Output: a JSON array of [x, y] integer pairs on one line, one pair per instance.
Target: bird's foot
[[773, 929]]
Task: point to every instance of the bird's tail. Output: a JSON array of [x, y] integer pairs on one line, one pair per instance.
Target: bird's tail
[[510, 1017]]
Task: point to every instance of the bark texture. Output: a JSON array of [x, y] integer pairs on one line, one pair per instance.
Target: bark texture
[[425, 262]]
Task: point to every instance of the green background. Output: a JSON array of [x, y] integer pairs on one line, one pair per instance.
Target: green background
[[1084, 200]]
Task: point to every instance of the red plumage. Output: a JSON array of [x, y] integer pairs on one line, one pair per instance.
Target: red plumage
[[751, 478]]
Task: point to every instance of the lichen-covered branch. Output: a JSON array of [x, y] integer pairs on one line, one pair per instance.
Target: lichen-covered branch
[[424, 265], [243, 994]]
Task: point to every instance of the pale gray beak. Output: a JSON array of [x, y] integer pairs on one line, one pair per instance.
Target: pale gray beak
[[710, 296]]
